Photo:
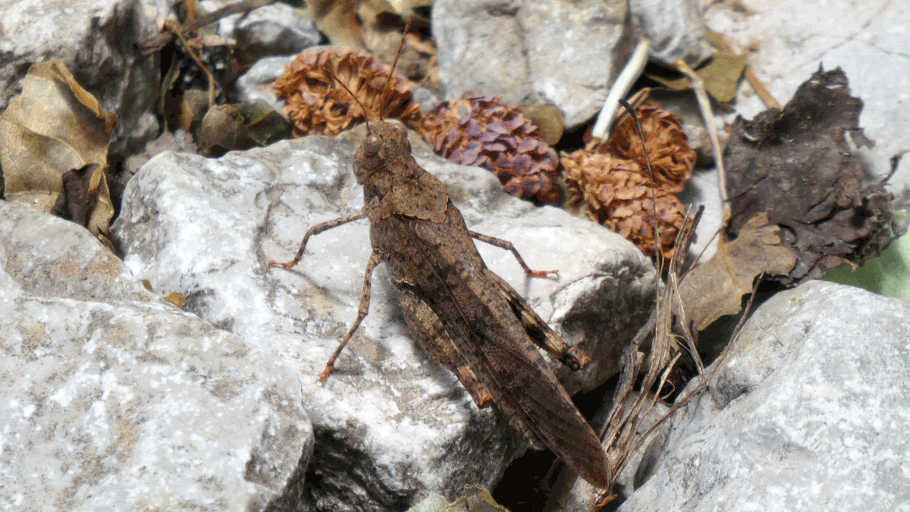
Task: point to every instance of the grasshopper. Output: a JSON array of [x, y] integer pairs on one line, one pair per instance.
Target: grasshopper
[[463, 315]]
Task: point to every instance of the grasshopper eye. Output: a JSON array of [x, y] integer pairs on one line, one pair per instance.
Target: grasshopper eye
[[371, 146]]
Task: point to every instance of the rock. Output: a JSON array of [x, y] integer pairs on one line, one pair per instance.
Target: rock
[[807, 412], [274, 29], [532, 51], [676, 29], [115, 400], [256, 83], [98, 42], [390, 427]]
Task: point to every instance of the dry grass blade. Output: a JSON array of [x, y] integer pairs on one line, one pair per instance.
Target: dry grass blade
[[619, 434]]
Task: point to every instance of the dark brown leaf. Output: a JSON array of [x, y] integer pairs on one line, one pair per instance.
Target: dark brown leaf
[[797, 166]]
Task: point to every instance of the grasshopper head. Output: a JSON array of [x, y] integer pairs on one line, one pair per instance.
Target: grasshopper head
[[384, 144]]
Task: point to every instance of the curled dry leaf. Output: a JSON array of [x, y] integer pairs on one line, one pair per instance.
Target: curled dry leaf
[[481, 131], [798, 203], [317, 105], [715, 288], [797, 165], [52, 129]]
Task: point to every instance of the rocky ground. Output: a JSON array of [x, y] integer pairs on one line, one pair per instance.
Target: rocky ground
[[114, 398]]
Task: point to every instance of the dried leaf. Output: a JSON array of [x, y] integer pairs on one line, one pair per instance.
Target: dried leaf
[[176, 299], [79, 194], [715, 288], [337, 19], [52, 127], [721, 76], [382, 31], [264, 123], [797, 166]]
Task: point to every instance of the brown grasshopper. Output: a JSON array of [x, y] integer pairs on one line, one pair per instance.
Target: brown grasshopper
[[466, 317]]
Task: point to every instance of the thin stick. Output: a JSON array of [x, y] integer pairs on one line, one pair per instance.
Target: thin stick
[[760, 88], [620, 88], [173, 27], [704, 105], [163, 38]]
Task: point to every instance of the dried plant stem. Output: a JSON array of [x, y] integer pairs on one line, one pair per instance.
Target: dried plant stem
[[760, 88], [164, 38], [644, 149], [173, 27], [620, 88], [704, 104]]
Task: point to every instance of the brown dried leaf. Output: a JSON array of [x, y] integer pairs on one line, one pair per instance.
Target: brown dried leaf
[[176, 299], [721, 76], [383, 26], [715, 288], [796, 165], [337, 19], [52, 127]]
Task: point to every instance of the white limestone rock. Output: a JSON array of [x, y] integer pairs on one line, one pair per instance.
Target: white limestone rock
[[807, 412], [116, 400], [390, 427]]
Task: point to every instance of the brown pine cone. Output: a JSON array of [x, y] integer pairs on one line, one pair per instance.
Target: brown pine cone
[[317, 104], [672, 160], [476, 130], [619, 196]]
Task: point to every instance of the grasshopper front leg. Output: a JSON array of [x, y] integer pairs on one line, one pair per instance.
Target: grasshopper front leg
[[364, 299]]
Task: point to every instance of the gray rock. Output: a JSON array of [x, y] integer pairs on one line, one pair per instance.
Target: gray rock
[[807, 412], [676, 29], [537, 51], [390, 427], [116, 400], [98, 42], [256, 83], [274, 29]]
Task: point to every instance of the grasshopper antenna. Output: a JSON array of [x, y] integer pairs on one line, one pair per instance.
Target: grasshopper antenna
[[394, 63], [366, 114]]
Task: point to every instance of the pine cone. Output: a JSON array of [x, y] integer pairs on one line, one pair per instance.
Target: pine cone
[[475, 130], [618, 195], [317, 104], [672, 160]]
